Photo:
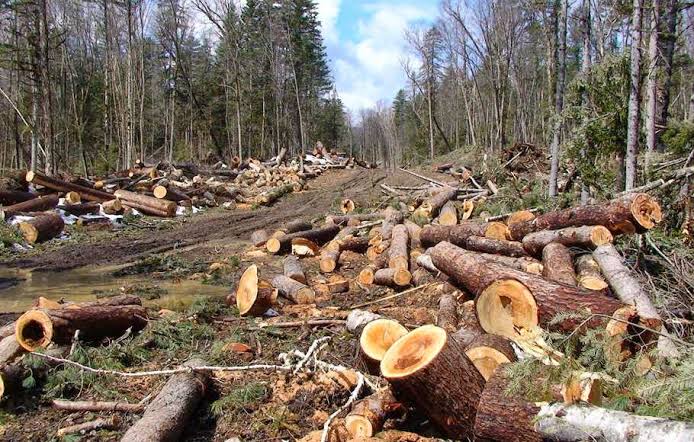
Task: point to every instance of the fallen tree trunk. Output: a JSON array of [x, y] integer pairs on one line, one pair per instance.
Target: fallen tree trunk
[[147, 204], [353, 219], [37, 328], [585, 236], [43, 227], [375, 340], [34, 205], [398, 256], [319, 236], [628, 214], [294, 290], [588, 273], [447, 317], [86, 193], [90, 208], [533, 299], [167, 416], [459, 234], [629, 291], [432, 205], [495, 246], [504, 417], [293, 270], [558, 264], [429, 369], [269, 197], [10, 197]]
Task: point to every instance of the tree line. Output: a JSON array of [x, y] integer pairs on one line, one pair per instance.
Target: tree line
[[93, 85]]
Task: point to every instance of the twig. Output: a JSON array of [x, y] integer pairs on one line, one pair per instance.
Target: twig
[[96, 424], [652, 245], [75, 342], [396, 295], [309, 352], [97, 406], [308, 323]]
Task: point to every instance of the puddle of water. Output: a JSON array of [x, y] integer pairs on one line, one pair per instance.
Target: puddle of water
[[20, 288]]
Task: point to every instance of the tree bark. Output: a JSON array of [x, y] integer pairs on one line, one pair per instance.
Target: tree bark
[[391, 217], [458, 234], [10, 197], [558, 264], [495, 246], [34, 205], [293, 290], [320, 236], [560, 77], [168, 415], [147, 204], [633, 121], [398, 256], [293, 270], [447, 317]]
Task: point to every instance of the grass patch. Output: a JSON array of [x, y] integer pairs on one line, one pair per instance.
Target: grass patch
[[243, 398], [163, 266]]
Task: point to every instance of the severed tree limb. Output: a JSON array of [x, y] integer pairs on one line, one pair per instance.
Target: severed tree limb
[[96, 424], [97, 406]]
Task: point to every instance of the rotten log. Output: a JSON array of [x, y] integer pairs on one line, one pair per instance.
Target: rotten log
[[585, 236], [293, 290], [458, 234], [558, 264], [43, 227], [37, 328], [628, 214], [629, 291], [375, 340], [39, 204], [254, 296], [293, 270], [167, 416], [320, 236], [588, 273], [147, 204], [86, 193], [509, 299], [398, 256], [495, 246], [429, 369]]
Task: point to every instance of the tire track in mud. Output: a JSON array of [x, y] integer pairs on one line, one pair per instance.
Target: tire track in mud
[[235, 226]]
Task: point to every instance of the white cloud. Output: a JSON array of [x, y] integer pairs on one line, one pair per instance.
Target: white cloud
[[368, 68], [328, 10]]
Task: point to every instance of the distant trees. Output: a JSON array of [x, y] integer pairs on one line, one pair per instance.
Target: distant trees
[[103, 83]]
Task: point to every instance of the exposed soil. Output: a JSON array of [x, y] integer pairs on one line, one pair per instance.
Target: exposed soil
[[323, 194]]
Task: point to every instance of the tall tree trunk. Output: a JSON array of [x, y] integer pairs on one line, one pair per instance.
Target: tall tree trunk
[[562, 11], [634, 98], [652, 85], [668, 52], [585, 71]]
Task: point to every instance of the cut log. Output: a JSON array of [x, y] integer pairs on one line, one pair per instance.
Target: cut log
[[588, 273], [487, 352], [90, 208], [168, 415], [582, 386], [391, 218], [503, 417], [267, 198], [429, 369], [393, 277], [398, 256], [10, 197], [319, 236], [42, 228], [375, 340], [631, 213], [629, 291], [519, 217], [358, 244], [34, 205], [86, 193], [558, 264], [413, 231], [432, 205], [293, 270], [337, 284], [369, 414], [294, 290], [353, 219], [468, 207], [254, 297], [585, 236], [366, 275], [469, 327], [259, 238], [112, 207], [304, 247], [508, 300], [347, 206], [495, 246], [72, 198], [458, 234], [147, 204], [448, 215], [328, 260], [293, 227], [447, 317], [524, 263], [9, 350], [37, 328], [169, 193]]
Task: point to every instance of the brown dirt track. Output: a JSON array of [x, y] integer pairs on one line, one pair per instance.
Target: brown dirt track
[[318, 200]]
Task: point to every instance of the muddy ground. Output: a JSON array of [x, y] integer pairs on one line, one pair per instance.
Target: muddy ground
[[250, 406]]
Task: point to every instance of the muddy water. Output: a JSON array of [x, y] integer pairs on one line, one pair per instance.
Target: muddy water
[[20, 288]]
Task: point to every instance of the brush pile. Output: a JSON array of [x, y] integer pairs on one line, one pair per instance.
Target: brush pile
[[41, 205], [503, 282]]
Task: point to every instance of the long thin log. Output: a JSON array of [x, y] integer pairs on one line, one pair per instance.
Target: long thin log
[[447, 317], [293, 290], [459, 234], [495, 246], [86, 193], [34, 205], [629, 291], [97, 406], [398, 256], [167, 416], [585, 236], [558, 264], [320, 236], [110, 423], [147, 204], [630, 213], [9, 197]]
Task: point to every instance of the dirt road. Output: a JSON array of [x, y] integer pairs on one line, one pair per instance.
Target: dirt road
[[321, 196]]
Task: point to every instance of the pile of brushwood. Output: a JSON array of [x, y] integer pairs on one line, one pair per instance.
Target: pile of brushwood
[[541, 327], [41, 205]]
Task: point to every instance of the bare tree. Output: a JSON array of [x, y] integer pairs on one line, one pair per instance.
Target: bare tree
[[634, 97], [560, 61]]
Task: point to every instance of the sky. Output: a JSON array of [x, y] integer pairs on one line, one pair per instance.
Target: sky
[[365, 44]]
